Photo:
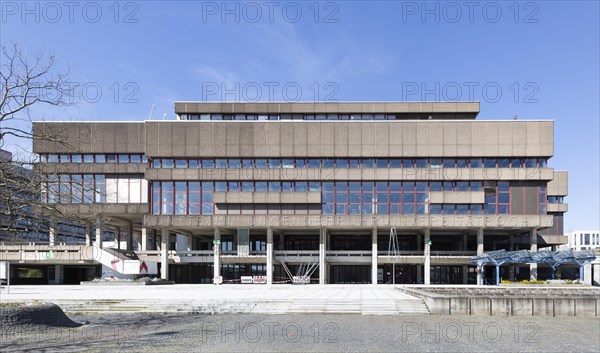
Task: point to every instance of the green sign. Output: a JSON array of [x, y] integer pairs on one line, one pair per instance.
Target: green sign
[[429, 242], [216, 241]]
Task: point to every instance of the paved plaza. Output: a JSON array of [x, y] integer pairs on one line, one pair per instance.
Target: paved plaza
[[310, 333]]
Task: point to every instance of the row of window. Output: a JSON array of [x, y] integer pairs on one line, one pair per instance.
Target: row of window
[[94, 158], [409, 198], [555, 199], [331, 117], [95, 188], [343, 163]]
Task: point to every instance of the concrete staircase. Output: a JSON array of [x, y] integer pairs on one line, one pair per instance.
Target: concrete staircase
[[267, 306]]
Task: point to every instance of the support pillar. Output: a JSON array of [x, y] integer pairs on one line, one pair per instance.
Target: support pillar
[[164, 255], [129, 243], [322, 250], [374, 256], [465, 242], [88, 234], [217, 254], [58, 274], [99, 231], [465, 274], [511, 268], [281, 241], [52, 232], [419, 274], [427, 253], [269, 256], [479, 253], [144, 240], [532, 248], [118, 237]]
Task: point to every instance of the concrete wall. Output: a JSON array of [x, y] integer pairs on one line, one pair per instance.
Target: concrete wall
[[89, 137], [350, 139], [559, 186]]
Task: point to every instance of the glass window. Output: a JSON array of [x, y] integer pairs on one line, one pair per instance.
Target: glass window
[[354, 208], [309, 117], [543, 162], [435, 186], [327, 197], [247, 186], [234, 163], [247, 163], [462, 209], [435, 163], [448, 186], [327, 208], [261, 186], [300, 163], [489, 163], [135, 158], [209, 163], [408, 198], [382, 209], [448, 209], [180, 197], [354, 163], [216, 117], [503, 163], [167, 197], [341, 163], [476, 162], [476, 209], [515, 163], [221, 163], [435, 209], [421, 186], [462, 163], [395, 163], [123, 158], [76, 158], [367, 208], [274, 163], [220, 186], [301, 186], [233, 186], [407, 163], [328, 163], [194, 163], [382, 163], [530, 163], [64, 158], [421, 163], [156, 197], [180, 163], [287, 163], [314, 163], [274, 186], [286, 186], [367, 163], [408, 209], [261, 163], [328, 186], [314, 186], [462, 186], [100, 158], [476, 185], [52, 158], [100, 188], [167, 163], [503, 186], [408, 186], [111, 158], [449, 163]]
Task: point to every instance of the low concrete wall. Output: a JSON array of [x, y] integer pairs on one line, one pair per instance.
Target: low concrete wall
[[510, 304]]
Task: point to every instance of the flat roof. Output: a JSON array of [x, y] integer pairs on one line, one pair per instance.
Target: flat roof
[[326, 107]]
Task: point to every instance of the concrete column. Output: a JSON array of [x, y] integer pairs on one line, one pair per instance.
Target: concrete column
[[118, 237], [99, 231], [419, 274], [217, 254], [596, 274], [419, 241], [52, 231], [164, 255], [281, 241], [322, 250], [533, 247], [511, 268], [465, 242], [129, 244], [587, 274], [427, 253], [479, 253], [58, 274], [374, 256], [269, 255], [465, 274], [88, 234], [144, 244]]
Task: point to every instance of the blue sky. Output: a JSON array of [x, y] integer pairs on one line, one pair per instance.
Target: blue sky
[[536, 60]]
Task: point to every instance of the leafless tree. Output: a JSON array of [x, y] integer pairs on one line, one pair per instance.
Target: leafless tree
[[28, 81]]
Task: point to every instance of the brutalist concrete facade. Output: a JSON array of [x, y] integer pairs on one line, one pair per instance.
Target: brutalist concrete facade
[[456, 164]]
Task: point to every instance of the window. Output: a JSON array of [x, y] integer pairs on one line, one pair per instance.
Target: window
[[382, 163], [135, 158], [367, 163], [234, 164], [167, 163], [274, 163], [208, 164], [287, 163], [221, 163], [180, 163], [247, 163], [76, 158], [194, 202], [476, 163], [341, 163], [489, 163], [180, 198]]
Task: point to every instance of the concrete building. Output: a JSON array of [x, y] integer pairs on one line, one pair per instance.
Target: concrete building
[[582, 240], [277, 189]]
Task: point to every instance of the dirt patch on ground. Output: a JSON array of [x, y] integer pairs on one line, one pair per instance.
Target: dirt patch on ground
[[34, 315]]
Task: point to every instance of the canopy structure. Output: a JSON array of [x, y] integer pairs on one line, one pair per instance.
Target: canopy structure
[[554, 259]]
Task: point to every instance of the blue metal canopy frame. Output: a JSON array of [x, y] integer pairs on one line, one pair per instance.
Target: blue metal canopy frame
[[554, 259]]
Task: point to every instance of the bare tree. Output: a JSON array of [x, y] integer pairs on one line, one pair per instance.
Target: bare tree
[[27, 82]]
